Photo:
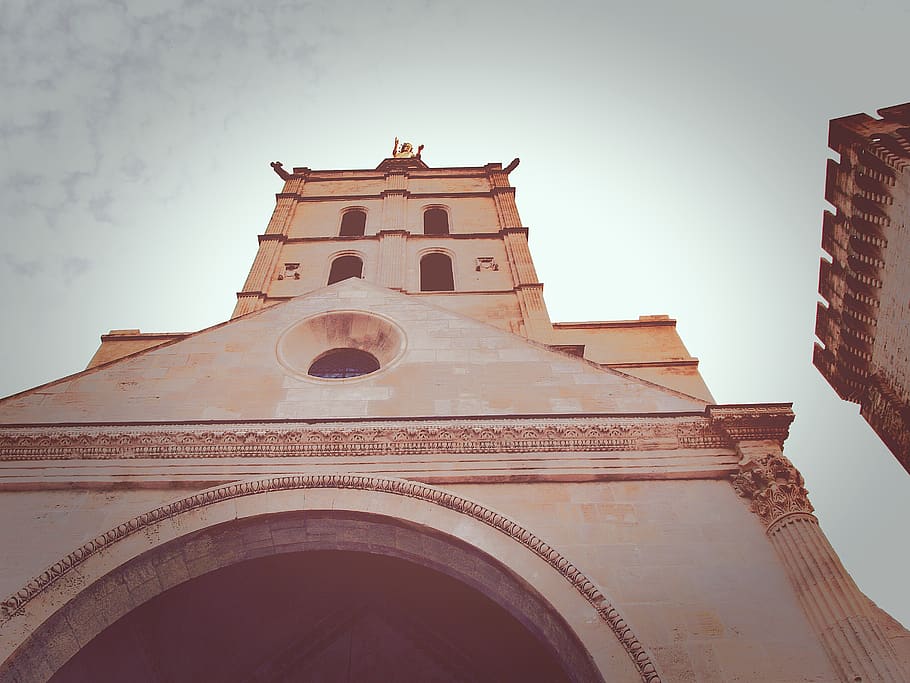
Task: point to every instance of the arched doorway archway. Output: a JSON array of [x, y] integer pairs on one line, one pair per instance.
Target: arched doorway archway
[[79, 597], [321, 615]]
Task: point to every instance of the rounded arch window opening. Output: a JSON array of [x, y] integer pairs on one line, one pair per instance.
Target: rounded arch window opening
[[435, 222], [353, 223], [436, 273], [345, 267], [344, 364]]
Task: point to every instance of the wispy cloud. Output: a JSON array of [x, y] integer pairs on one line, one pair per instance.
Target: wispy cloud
[[20, 266], [74, 266]]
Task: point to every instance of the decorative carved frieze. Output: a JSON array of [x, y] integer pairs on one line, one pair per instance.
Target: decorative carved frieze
[[773, 485], [15, 604], [283, 439]]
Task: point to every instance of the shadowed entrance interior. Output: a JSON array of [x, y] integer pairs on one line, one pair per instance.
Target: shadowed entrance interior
[[317, 616]]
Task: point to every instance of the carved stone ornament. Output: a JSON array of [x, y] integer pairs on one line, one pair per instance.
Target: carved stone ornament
[[291, 272], [755, 422], [774, 486], [278, 167], [485, 263], [370, 438]]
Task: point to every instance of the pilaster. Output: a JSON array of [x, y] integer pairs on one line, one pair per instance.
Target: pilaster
[[529, 291], [504, 194], [519, 255], [534, 311], [247, 302], [504, 197], [256, 285], [837, 610], [395, 201], [280, 222], [253, 294], [392, 258]]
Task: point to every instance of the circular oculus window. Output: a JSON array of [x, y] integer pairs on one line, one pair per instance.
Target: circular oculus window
[[340, 345]]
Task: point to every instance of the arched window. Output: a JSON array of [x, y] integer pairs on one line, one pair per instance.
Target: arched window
[[435, 222], [343, 363], [353, 223], [436, 273], [344, 267]]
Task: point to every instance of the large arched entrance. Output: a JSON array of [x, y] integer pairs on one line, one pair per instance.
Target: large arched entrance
[[327, 616], [505, 575]]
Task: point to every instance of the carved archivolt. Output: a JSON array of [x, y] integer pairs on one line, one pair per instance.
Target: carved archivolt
[[15, 604], [774, 486], [510, 435]]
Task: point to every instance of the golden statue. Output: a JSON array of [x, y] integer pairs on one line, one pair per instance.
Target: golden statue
[[406, 151]]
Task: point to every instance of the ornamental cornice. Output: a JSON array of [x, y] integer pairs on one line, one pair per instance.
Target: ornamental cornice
[[15, 604], [754, 422], [773, 485], [368, 438]]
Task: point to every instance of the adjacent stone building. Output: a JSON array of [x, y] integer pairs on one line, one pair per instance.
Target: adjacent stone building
[[391, 465], [864, 322]]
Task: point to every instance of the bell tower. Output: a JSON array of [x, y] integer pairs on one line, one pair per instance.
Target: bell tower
[[402, 470], [452, 235]]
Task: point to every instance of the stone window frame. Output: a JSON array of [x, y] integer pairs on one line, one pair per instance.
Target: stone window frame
[[351, 209], [452, 259], [441, 207], [337, 255]]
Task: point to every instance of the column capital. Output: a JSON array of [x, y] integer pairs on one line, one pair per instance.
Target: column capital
[[773, 485], [766, 477]]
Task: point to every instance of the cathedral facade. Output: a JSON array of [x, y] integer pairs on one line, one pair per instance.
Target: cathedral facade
[[390, 464]]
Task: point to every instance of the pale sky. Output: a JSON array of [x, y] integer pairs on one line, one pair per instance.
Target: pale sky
[[673, 161]]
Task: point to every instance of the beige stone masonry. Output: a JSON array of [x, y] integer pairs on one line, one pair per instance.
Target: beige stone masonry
[[840, 614], [233, 372]]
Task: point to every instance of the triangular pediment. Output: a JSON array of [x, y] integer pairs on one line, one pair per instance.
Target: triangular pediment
[[434, 363]]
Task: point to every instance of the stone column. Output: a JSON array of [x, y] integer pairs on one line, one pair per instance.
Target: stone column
[[839, 613]]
